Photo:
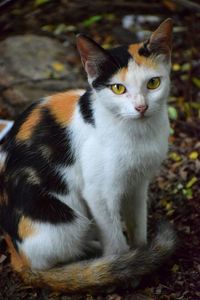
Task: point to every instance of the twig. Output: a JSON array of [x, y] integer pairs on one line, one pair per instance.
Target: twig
[[188, 4], [5, 2], [122, 5]]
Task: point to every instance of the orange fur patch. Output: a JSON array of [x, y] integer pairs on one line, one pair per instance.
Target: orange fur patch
[[140, 59], [26, 228], [18, 260], [28, 126], [2, 126], [62, 106], [122, 73]]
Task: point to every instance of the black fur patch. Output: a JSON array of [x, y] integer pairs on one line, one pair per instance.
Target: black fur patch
[[10, 136], [144, 51], [57, 138], [35, 203], [117, 59], [9, 219], [30, 201], [120, 55], [28, 155], [85, 106], [25, 159]]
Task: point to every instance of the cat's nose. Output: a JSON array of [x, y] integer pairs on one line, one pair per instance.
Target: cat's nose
[[141, 108]]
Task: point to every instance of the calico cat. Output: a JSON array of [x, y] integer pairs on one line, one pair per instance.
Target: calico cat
[[77, 162]]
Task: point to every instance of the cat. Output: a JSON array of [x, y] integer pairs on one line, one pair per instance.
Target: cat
[[78, 162]]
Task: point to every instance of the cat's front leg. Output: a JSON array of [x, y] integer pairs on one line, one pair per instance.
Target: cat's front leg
[[135, 214], [108, 220]]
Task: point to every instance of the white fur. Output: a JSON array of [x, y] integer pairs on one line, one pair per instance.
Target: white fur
[[8, 126], [53, 244], [115, 161]]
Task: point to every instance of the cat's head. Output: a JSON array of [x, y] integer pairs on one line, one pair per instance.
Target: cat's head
[[131, 81]]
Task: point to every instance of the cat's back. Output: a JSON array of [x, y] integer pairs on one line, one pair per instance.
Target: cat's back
[[59, 107], [40, 138]]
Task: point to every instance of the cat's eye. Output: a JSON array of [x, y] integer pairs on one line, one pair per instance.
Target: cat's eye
[[118, 89], [153, 83]]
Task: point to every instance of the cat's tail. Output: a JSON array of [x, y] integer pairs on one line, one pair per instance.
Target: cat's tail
[[106, 271]]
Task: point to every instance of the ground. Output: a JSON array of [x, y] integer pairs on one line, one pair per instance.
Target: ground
[[174, 194]]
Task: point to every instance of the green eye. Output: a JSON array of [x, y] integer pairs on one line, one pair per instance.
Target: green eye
[[118, 89], [153, 83]]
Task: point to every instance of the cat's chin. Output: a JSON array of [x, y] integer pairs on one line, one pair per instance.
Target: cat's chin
[[135, 117]]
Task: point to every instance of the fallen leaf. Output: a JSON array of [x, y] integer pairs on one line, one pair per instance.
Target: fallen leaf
[[92, 20], [176, 67], [193, 155], [58, 67], [188, 193], [2, 258], [41, 2], [175, 268], [191, 182], [196, 81], [174, 156], [172, 112], [186, 67]]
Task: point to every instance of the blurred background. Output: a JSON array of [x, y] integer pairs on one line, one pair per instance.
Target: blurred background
[[38, 57]]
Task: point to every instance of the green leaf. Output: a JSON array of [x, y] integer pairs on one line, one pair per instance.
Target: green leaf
[[195, 105], [60, 28], [193, 155], [196, 81], [48, 27], [110, 17], [171, 131], [186, 67], [92, 20], [41, 2], [175, 157], [191, 182], [172, 112], [175, 268], [188, 193]]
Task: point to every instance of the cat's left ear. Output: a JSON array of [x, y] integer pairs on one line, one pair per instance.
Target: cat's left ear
[[93, 56], [160, 41]]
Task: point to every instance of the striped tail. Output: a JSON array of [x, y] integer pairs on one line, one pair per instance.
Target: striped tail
[[90, 275]]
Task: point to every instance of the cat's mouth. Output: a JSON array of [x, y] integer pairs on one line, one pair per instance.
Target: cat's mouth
[[133, 116], [143, 116]]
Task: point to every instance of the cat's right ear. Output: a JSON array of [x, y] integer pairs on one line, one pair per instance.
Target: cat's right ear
[[92, 55]]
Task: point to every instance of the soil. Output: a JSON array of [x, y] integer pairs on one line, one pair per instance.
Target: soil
[[174, 194]]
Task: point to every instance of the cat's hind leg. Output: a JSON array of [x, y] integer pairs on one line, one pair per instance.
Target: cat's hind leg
[[46, 245]]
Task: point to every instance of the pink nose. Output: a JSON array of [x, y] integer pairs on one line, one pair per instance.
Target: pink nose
[[141, 108]]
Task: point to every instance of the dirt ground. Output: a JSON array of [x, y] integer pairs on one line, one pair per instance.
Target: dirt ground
[[174, 194]]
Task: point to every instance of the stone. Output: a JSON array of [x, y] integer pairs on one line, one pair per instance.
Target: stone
[[32, 67]]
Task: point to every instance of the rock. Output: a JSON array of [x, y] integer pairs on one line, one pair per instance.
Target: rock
[[32, 67]]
